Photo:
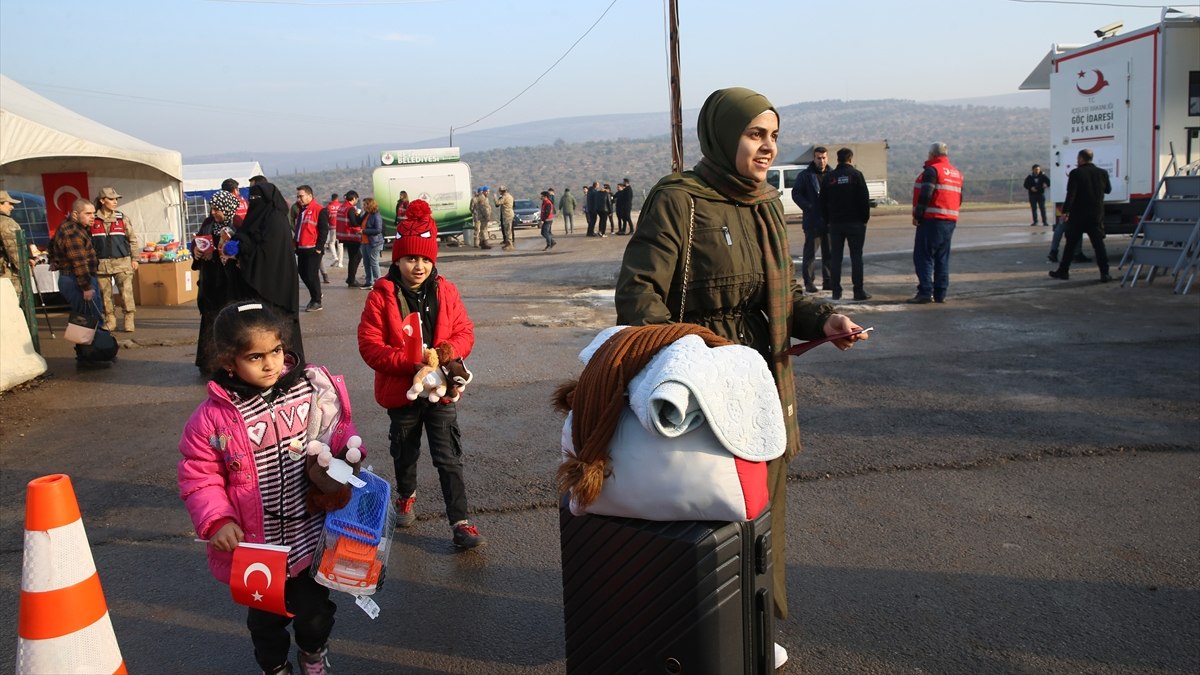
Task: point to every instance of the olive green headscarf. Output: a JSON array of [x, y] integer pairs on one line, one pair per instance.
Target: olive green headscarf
[[723, 118]]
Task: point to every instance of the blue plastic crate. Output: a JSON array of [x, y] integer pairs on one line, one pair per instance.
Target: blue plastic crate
[[365, 517]]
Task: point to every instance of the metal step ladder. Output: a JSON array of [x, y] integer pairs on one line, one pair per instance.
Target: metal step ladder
[[1168, 236]]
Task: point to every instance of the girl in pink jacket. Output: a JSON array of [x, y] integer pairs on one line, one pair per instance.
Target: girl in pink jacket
[[242, 481]]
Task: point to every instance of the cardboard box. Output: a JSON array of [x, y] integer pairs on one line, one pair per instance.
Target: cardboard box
[[170, 283]]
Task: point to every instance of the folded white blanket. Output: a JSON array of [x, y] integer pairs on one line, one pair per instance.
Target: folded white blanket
[[687, 384]]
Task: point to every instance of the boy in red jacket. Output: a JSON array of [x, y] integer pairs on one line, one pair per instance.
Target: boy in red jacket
[[412, 284]]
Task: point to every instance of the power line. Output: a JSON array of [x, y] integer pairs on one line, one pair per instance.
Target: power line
[[1095, 4], [539, 77]]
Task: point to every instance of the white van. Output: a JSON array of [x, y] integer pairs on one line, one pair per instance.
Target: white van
[[782, 177], [432, 174]]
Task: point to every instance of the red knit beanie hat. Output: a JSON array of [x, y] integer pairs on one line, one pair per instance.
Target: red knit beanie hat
[[417, 233]]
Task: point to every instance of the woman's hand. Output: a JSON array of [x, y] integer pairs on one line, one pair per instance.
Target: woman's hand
[[227, 538], [840, 323]]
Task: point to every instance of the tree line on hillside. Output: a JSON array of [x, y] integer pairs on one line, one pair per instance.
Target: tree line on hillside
[[994, 147]]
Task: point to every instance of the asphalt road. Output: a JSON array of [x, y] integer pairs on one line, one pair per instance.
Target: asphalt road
[[1006, 483]]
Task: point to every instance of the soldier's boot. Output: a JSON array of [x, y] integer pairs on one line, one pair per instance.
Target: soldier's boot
[[128, 322], [110, 322]]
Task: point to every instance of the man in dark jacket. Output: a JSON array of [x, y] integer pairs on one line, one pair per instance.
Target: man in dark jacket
[[846, 206], [596, 209], [1083, 211], [1035, 184], [806, 192]]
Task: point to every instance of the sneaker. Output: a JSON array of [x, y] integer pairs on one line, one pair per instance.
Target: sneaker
[[406, 515], [507, 247], [1060, 275], [467, 535], [780, 655], [939, 300], [314, 664], [1105, 278], [919, 300], [285, 669], [810, 288], [313, 306], [1033, 224], [862, 295]]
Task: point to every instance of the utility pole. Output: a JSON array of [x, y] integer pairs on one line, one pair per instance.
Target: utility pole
[[676, 111]]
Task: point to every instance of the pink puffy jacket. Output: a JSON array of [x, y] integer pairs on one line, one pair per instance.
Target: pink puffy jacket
[[217, 484]]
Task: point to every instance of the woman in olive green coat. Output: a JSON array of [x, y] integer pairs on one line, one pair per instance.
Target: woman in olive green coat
[[711, 248]]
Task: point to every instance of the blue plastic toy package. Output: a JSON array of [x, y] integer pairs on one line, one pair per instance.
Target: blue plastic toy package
[[352, 554]]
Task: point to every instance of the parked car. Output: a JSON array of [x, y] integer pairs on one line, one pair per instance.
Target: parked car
[[526, 212]]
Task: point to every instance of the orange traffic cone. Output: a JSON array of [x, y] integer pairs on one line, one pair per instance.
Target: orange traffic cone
[[63, 624]]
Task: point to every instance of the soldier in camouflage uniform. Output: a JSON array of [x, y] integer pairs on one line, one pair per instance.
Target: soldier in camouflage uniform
[[116, 246], [481, 209], [10, 254], [504, 202]]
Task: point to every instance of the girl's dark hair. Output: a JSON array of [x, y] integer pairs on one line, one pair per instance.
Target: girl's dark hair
[[233, 326]]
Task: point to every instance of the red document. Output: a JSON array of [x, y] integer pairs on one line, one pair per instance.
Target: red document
[[799, 349]]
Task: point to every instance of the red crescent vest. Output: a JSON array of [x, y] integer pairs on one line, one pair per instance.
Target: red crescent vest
[[112, 242], [341, 223], [306, 228], [947, 191]]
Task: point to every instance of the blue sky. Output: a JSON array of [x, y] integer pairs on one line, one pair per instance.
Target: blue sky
[[208, 76]]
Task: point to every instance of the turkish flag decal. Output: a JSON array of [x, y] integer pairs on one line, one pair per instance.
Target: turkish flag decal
[[61, 190], [258, 577]]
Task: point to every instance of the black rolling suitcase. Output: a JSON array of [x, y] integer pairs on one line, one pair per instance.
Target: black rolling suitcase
[[689, 597]]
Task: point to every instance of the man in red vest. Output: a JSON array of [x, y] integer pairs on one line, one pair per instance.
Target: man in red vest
[[312, 228], [116, 246], [937, 197], [348, 225], [333, 244]]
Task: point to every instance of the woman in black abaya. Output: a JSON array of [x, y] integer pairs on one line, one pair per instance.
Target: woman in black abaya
[[266, 259]]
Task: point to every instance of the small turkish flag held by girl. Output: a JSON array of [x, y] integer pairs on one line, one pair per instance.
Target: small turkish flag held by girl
[[258, 577], [414, 347]]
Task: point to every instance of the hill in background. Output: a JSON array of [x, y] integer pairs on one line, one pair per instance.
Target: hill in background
[[994, 146]]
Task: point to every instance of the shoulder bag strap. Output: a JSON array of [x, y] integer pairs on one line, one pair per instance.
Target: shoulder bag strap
[[687, 257]]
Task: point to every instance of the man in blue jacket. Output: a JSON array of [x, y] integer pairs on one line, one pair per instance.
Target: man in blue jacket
[[806, 192]]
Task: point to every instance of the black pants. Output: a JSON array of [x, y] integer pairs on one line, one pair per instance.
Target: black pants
[[591, 221], [313, 622], [625, 221], [605, 222], [308, 264], [812, 238], [440, 421], [1074, 236], [1037, 201], [353, 251], [841, 234]]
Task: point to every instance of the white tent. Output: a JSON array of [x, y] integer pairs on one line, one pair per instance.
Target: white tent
[[200, 181], [39, 137], [208, 177]]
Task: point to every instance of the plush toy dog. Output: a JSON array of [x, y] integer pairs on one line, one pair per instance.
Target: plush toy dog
[[426, 381], [442, 377]]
